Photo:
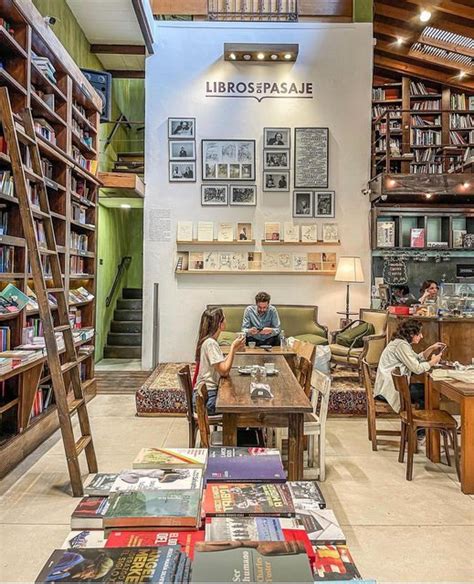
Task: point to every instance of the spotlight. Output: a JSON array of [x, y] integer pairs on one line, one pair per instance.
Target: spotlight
[[400, 41], [126, 206], [462, 74], [425, 15], [391, 182], [274, 57], [428, 195], [466, 185], [247, 57], [288, 56], [260, 56], [232, 56]]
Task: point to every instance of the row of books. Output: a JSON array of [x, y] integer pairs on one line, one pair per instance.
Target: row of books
[[79, 336], [461, 121], [47, 98], [427, 105], [78, 241], [79, 213], [5, 337], [427, 168], [242, 261], [425, 137], [44, 397], [462, 102], [7, 259], [424, 121], [382, 93], [12, 359], [47, 167], [7, 186], [386, 234], [80, 188], [226, 515], [45, 130], [40, 233], [378, 110], [77, 265], [83, 162], [7, 26], [82, 134], [45, 66], [419, 88], [3, 221], [459, 138]]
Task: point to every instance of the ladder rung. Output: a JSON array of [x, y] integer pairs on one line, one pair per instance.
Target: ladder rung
[[23, 136], [65, 367], [75, 404], [55, 290], [30, 175], [62, 328], [39, 213], [82, 443], [45, 251]]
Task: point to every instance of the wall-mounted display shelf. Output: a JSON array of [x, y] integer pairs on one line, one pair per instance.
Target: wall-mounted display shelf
[[217, 242], [256, 272], [305, 243]]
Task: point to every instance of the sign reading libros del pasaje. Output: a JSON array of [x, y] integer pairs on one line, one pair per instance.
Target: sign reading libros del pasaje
[[260, 90]]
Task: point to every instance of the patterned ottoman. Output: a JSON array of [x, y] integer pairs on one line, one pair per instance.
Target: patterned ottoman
[[161, 395]]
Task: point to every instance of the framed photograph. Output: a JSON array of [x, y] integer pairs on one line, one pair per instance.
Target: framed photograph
[[277, 138], [311, 158], [182, 128], [214, 195], [182, 149], [232, 160], [330, 233], [182, 172], [276, 159], [303, 204], [324, 204], [243, 195], [276, 181]]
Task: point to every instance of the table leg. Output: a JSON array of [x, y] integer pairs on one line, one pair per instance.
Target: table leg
[[433, 451], [295, 446], [467, 445], [229, 430]]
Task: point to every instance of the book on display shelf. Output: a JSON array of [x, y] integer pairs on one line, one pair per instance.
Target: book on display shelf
[[225, 232], [205, 231], [158, 480], [417, 237], [87, 538], [89, 513], [244, 231], [184, 231], [243, 469], [211, 260], [248, 499], [309, 233], [385, 233], [249, 528], [321, 526], [272, 231], [306, 495], [291, 232], [334, 562], [171, 458], [99, 484], [185, 539]]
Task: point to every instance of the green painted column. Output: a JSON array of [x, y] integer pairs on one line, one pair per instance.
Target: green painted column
[[363, 10]]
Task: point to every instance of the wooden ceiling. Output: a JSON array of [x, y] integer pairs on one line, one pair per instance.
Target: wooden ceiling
[[399, 21]]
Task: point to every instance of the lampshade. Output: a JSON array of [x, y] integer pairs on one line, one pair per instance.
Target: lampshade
[[349, 269]]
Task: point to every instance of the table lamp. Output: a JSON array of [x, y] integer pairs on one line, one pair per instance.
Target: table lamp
[[349, 269]]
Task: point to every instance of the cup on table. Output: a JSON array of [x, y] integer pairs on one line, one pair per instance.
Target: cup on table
[[269, 367], [252, 345]]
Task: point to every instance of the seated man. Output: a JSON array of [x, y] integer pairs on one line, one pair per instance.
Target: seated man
[[261, 322]]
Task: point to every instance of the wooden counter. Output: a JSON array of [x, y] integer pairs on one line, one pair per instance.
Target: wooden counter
[[457, 333]]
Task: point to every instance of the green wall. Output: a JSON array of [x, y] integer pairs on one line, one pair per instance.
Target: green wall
[[363, 10]]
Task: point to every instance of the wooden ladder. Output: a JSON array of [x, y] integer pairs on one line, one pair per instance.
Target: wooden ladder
[[66, 374]]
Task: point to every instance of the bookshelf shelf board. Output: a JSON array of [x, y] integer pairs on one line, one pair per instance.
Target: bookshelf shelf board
[[58, 216], [86, 226], [9, 405], [12, 240], [11, 276], [84, 254], [256, 272], [4, 158], [395, 84], [83, 303], [378, 101], [451, 129], [83, 120], [38, 105], [427, 96], [122, 184], [11, 83], [9, 46], [76, 140], [52, 150], [305, 243], [437, 126], [425, 112], [9, 315], [14, 371], [82, 172], [39, 78], [52, 184], [82, 276], [217, 242], [82, 200]]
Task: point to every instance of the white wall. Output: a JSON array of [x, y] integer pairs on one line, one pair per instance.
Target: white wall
[[337, 59]]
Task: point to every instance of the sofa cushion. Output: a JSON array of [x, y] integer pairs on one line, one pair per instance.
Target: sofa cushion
[[344, 351], [233, 316], [314, 339], [299, 320], [226, 338]]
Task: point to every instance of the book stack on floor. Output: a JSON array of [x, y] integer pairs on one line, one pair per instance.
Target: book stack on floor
[[192, 515]]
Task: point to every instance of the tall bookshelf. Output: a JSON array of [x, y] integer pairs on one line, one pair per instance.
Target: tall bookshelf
[[40, 74], [421, 127]]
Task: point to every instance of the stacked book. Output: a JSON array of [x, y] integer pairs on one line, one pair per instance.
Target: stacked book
[[192, 515], [45, 66]]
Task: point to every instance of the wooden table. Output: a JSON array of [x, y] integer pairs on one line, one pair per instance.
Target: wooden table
[[462, 393], [289, 354], [286, 409]]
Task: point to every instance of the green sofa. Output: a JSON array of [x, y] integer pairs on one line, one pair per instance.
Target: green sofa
[[299, 321]]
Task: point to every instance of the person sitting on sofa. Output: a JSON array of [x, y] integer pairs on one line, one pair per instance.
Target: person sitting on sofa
[[261, 322]]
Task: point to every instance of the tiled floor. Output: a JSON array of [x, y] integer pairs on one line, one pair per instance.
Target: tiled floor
[[421, 531]]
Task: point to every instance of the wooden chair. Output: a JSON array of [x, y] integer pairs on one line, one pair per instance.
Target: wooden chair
[[374, 407], [413, 420], [207, 438], [305, 355]]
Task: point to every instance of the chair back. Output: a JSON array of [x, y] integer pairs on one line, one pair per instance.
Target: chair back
[[402, 386], [185, 382], [305, 354], [305, 349], [378, 318], [369, 390], [202, 417], [375, 349], [321, 392]]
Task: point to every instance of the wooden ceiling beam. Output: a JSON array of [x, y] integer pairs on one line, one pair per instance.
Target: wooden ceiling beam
[[118, 49], [389, 30], [181, 7], [462, 50], [446, 6], [127, 74]]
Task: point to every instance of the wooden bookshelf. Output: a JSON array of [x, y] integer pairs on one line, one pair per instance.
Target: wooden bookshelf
[[66, 110]]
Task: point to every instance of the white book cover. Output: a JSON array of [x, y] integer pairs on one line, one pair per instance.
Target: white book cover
[[225, 261], [205, 231], [330, 233], [300, 262], [239, 261], [184, 231], [157, 479], [225, 232], [285, 261], [87, 538], [321, 526], [386, 234], [171, 458], [458, 235], [309, 233], [211, 260], [270, 261], [291, 232]]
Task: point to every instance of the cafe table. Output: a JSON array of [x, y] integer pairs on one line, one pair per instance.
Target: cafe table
[[462, 393], [285, 410], [288, 353]]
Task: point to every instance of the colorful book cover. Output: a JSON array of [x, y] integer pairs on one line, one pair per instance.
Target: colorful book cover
[[417, 237], [99, 484], [173, 508], [185, 539], [154, 564], [306, 495], [157, 480], [244, 528], [170, 458], [334, 562], [249, 499], [89, 513], [16, 297], [87, 538], [266, 469], [321, 526], [238, 561], [234, 451]]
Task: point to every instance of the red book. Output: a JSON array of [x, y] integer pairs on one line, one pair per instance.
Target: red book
[[417, 237], [301, 535], [186, 539], [89, 513]]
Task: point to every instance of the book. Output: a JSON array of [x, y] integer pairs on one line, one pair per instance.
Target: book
[[306, 495], [458, 236], [89, 513], [248, 528], [16, 297], [157, 480], [315, 260], [291, 232], [196, 260], [153, 509], [99, 484], [88, 538], [145, 564], [309, 233], [321, 526], [211, 260], [225, 232], [185, 539], [205, 231], [285, 261], [331, 560], [170, 458], [244, 231], [330, 233], [270, 261], [272, 232], [417, 237], [233, 464], [385, 233], [184, 231], [235, 561], [234, 499]]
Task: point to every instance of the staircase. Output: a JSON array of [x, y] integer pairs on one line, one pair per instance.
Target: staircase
[[124, 340], [133, 162]]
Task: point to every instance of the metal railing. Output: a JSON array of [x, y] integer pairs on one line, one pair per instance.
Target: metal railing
[[253, 10], [121, 269]]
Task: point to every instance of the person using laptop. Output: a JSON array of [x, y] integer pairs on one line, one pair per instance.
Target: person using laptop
[[261, 323]]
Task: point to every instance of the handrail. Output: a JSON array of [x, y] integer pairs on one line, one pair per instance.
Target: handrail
[[120, 271]]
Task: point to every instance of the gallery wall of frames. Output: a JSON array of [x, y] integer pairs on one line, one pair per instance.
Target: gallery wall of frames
[[249, 193]]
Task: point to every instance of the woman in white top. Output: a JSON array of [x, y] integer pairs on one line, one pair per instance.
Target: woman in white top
[[212, 363], [399, 353]]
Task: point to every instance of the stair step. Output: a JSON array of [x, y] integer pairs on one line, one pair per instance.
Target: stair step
[[124, 339], [129, 304], [126, 326], [132, 293], [128, 315], [122, 352]]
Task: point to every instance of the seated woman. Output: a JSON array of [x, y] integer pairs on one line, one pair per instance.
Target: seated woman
[[212, 363], [428, 291], [399, 353]]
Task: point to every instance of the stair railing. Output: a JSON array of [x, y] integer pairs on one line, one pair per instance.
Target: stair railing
[[121, 269]]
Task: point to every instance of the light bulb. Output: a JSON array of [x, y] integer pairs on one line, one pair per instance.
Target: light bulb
[[288, 56], [260, 56], [425, 15], [247, 57], [126, 206], [274, 57], [428, 195], [232, 56], [399, 41]]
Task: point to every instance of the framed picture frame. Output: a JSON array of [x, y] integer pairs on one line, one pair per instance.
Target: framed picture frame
[[276, 160], [182, 128], [231, 160], [182, 171], [324, 204], [182, 149], [243, 195], [277, 138], [214, 195], [276, 181], [311, 158], [303, 204]]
